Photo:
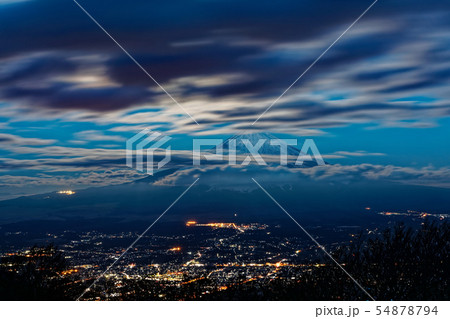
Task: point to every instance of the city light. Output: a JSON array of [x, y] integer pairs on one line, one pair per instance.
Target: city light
[[66, 192]]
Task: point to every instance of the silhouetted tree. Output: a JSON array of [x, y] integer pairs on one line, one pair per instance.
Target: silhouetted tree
[[402, 263]]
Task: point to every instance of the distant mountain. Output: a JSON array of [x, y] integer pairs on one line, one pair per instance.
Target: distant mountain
[[226, 191], [155, 177], [220, 194]]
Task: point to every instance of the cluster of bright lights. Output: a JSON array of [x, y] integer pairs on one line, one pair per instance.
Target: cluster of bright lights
[[214, 225], [66, 192], [240, 228]]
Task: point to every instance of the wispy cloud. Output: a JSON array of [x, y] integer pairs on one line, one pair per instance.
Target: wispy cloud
[[392, 70], [11, 140], [235, 177], [345, 154], [225, 76]]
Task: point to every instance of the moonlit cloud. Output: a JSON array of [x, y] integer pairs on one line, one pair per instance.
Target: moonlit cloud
[[241, 177], [9, 140], [231, 75], [69, 97]]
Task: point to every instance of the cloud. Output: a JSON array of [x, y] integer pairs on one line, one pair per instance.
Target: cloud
[[18, 185], [14, 140], [57, 80], [218, 176], [2, 2], [93, 135], [345, 154], [227, 73], [225, 62]]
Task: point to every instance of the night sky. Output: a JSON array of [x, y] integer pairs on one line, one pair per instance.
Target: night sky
[[376, 104]]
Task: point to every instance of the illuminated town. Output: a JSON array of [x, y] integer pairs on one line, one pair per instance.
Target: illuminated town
[[212, 256], [240, 227], [206, 257]]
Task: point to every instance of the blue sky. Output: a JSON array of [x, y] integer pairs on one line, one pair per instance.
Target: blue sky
[[69, 97]]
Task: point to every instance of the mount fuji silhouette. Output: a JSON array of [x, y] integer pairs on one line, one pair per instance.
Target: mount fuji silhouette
[[222, 191]]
